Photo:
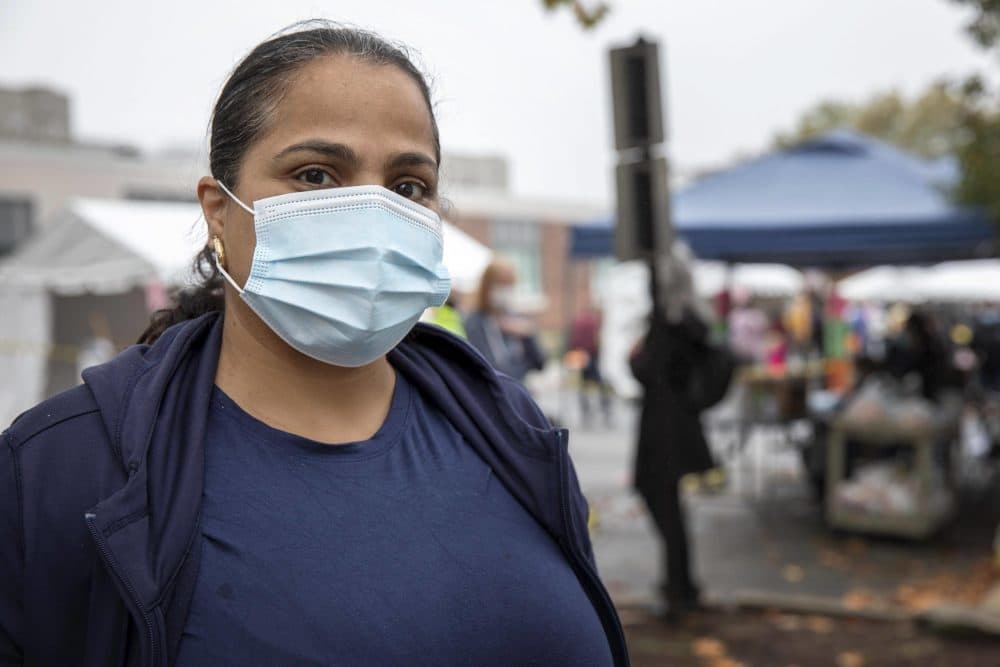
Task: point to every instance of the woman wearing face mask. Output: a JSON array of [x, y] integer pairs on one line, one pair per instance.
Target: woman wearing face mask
[[504, 337], [289, 470]]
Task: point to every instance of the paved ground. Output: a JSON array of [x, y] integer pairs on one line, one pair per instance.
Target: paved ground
[[778, 639], [765, 535]]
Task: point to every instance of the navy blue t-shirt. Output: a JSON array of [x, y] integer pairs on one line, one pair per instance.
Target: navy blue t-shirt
[[400, 550]]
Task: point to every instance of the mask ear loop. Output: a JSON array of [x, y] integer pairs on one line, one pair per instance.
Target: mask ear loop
[[217, 242], [217, 248], [223, 187], [219, 254]]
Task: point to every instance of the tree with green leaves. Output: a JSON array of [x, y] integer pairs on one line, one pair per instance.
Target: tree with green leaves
[[985, 24], [979, 154], [931, 124], [587, 15]]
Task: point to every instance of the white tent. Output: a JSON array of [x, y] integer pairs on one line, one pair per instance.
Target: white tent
[[882, 283], [104, 246], [949, 282], [465, 257], [766, 280], [111, 260], [971, 281]]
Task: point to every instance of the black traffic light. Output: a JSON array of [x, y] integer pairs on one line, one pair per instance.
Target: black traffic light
[[643, 227], [643, 210], [635, 92]]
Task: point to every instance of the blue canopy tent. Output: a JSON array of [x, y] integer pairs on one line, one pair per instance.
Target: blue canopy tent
[[843, 200]]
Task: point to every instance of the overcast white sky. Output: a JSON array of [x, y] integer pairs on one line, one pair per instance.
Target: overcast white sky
[[509, 77]]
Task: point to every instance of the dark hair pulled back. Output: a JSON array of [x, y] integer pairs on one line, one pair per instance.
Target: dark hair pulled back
[[241, 115]]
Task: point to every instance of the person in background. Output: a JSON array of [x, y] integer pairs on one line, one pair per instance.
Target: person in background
[[671, 445], [682, 374], [98, 347], [986, 344], [505, 337], [800, 322], [585, 343], [918, 350], [448, 317], [777, 347], [748, 327]]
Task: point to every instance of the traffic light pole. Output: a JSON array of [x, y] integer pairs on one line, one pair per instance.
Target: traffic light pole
[[643, 229]]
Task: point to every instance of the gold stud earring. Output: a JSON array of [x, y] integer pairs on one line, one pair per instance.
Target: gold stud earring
[[220, 252]]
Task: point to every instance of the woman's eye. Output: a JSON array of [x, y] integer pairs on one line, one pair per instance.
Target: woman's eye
[[315, 177], [411, 190]]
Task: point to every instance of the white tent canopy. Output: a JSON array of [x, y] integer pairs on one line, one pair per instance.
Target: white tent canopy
[[465, 257], [949, 282], [976, 280], [766, 280], [881, 283], [109, 246]]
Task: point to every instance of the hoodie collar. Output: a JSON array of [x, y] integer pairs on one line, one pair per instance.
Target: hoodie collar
[[154, 401]]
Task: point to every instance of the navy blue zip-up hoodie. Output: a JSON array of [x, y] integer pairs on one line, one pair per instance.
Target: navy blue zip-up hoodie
[[100, 493]]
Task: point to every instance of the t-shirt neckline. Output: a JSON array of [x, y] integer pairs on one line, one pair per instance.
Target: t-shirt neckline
[[384, 438]]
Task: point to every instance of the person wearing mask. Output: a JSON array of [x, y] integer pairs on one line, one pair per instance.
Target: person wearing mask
[[289, 469], [503, 336]]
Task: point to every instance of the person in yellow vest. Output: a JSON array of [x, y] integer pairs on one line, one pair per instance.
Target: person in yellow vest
[[448, 317]]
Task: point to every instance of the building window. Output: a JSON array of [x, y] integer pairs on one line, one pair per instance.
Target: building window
[[520, 243], [15, 222]]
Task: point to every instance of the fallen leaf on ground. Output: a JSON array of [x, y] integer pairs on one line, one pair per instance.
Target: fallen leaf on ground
[[707, 648], [793, 574], [858, 600], [787, 622], [821, 625], [919, 594], [850, 659], [724, 662]]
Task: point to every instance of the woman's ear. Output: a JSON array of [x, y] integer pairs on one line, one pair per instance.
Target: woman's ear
[[213, 205]]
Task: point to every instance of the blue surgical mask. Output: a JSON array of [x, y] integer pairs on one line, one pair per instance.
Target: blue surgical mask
[[343, 274]]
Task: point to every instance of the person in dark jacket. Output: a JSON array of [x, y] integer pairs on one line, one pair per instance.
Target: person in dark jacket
[[288, 469], [671, 441], [919, 350], [505, 337]]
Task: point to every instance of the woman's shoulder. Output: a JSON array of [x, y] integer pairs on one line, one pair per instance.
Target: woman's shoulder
[[63, 413], [61, 460]]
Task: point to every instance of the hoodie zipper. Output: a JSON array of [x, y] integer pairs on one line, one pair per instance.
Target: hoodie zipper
[[110, 564], [606, 611]]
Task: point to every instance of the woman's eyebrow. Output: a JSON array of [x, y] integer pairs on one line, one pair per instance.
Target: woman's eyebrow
[[338, 152], [412, 159]]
